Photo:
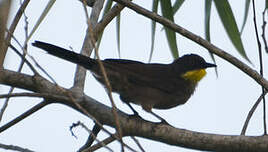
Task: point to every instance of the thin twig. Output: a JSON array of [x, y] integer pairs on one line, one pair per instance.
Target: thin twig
[[5, 10], [83, 110], [106, 80], [36, 63], [14, 25], [23, 116], [26, 94], [26, 29], [261, 65], [250, 113], [138, 143], [99, 145], [15, 148], [80, 73], [109, 16], [263, 30], [24, 60], [91, 137], [106, 141], [91, 133]]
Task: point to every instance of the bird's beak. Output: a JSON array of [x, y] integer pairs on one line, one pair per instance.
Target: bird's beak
[[208, 65]]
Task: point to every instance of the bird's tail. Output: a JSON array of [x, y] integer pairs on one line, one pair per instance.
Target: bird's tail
[[62, 53]]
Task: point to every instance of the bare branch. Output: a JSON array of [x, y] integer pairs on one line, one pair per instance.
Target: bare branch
[[250, 113], [89, 142], [261, 65], [92, 42], [23, 116], [107, 19], [16, 148], [263, 30], [25, 94], [14, 25], [106, 141], [138, 143], [135, 126], [23, 60], [80, 74], [4, 13], [199, 40], [99, 145]]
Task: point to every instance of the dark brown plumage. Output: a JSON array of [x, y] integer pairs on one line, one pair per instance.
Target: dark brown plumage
[[160, 86]]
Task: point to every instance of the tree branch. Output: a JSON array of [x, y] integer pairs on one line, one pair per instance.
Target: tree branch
[[135, 126], [80, 73], [261, 64], [13, 27], [199, 40], [250, 113], [16, 148], [23, 116]]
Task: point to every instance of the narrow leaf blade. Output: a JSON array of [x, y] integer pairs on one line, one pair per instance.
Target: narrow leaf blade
[[171, 35], [107, 7], [245, 15], [118, 33], [207, 27], [154, 9], [177, 6], [43, 15], [226, 15]]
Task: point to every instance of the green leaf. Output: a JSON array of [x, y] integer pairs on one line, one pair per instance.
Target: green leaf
[[118, 33], [207, 19], [207, 27], [171, 35], [107, 7], [154, 9], [40, 19], [226, 15], [177, 6], [245, 15], [266, 4]]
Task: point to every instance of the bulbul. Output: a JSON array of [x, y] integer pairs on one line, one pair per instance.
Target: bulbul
[[152, 85]]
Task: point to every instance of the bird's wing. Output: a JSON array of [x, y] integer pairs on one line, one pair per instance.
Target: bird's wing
[[159, 76]]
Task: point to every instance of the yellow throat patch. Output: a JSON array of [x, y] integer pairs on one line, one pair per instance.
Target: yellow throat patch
[[194, 75]]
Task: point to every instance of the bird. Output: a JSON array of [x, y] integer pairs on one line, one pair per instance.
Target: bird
[[150, 85]]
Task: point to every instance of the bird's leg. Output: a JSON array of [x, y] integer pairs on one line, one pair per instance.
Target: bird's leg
[[148, 108], [136, 114], [126, 101], [163, 121]]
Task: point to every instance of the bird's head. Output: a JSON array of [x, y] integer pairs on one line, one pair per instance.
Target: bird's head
[[191, 67]]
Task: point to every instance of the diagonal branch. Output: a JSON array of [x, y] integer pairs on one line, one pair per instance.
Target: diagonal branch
[[199, 40], [13, 27], [80, 74], [15, 148], [250, 113], [261, 65], [23, 116]]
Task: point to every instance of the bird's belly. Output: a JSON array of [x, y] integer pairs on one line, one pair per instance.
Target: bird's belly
[[146, 96], [150, 98]]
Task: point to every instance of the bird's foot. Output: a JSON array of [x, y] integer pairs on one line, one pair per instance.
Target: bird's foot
[[135, 115], [164, 122]]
